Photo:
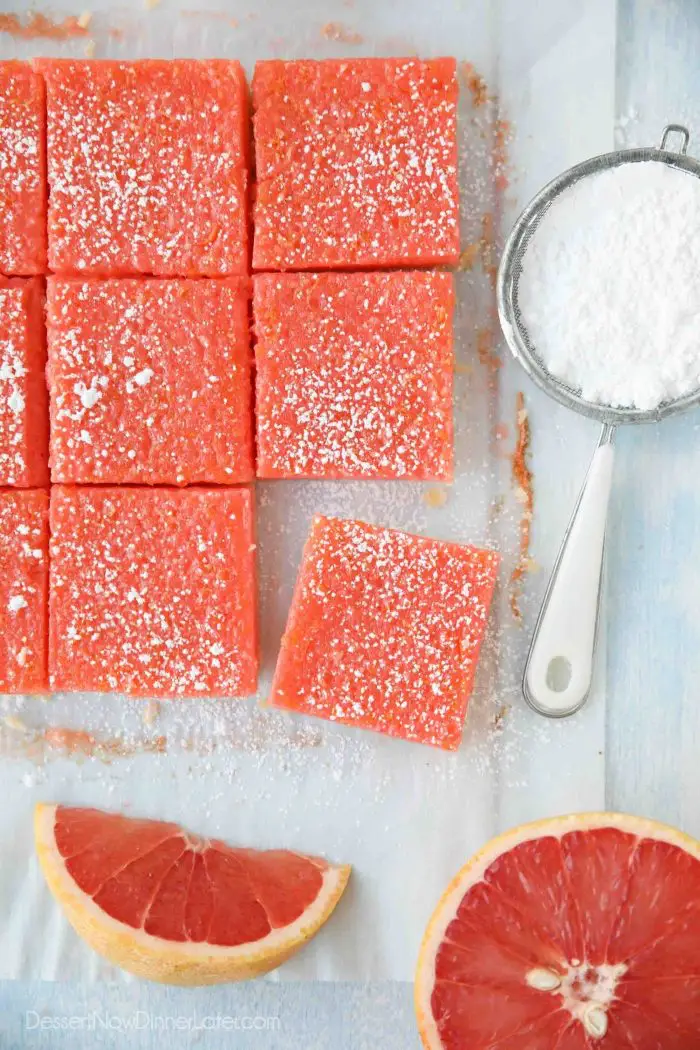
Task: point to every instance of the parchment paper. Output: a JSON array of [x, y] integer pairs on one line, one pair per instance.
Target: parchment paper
[[404, 815]]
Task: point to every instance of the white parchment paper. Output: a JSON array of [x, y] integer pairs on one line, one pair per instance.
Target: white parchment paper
[[404, 815]]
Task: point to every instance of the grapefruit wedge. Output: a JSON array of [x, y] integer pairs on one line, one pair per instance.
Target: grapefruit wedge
[[173, 907], [578, 933]]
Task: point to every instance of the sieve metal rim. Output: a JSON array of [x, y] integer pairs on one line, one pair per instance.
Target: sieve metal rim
[[514, 249]]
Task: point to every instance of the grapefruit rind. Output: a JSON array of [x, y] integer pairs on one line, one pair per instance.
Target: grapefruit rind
[[170, 962], [474, 870]]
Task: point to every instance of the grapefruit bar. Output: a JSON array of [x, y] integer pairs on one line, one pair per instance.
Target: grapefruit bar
[[24, 414], [22, 170], [24, 540], [150, 381], [153, 591], [147, 167], [385, 631], [356, 163], [354, 375]]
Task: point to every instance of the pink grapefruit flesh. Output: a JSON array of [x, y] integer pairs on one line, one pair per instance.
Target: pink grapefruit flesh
[[178, 908], [578, 933]]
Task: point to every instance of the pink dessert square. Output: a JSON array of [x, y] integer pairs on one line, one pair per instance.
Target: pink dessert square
[[354, 375], [24, 578], [385, 631], [24, 413], [151, 381], [22, 170], [147, 166], [356, 163], [153, 591]]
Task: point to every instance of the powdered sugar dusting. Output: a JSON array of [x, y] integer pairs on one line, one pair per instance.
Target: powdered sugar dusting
[[144, 582], [150, 381], [23, 409], [354, 375], [356, 163], [22, 163], [384, 631], [23, 590], [147, 167]]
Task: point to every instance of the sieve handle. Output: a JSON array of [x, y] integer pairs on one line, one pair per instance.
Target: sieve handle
[[559, 668]]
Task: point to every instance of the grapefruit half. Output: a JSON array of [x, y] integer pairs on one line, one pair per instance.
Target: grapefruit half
[[577, 933], [174, 907]]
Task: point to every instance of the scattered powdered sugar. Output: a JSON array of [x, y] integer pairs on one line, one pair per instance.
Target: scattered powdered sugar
[[610, 286]]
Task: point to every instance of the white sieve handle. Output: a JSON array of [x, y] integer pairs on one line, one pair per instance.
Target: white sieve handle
[[559, 667]]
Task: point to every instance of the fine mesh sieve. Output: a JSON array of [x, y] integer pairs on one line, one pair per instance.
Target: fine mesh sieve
[[559, 667]]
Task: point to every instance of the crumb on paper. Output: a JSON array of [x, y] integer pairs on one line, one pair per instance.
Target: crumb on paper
[[435, 497], [41, 26], [89, 49], [486, 349], [474, 82], [150, 4], [337, 31], [78, 742], [15, 722], [496, 508], [84, 19], [151, 712], [522, 480], [488, 247], [462, 369], [501, 432], [500, 716], [502, 135], [483, 249], [469, 256]]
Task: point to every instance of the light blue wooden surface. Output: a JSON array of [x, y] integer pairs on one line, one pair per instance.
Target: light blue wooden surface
[[653, 600], [653, 678]]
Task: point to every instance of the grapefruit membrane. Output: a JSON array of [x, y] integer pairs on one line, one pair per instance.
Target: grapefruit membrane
[[576, 933], [178, 908]]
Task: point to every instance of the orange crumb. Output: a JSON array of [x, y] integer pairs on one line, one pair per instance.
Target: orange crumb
[[469, 256], [151, 712], [74, 741], [475, 83], [80, 742], [38, 25], [337, 31], [501, 431], [486, 349], [502, 136], [435, 497], [501, 716], [489, 254], [522, 479], [16, 723]]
